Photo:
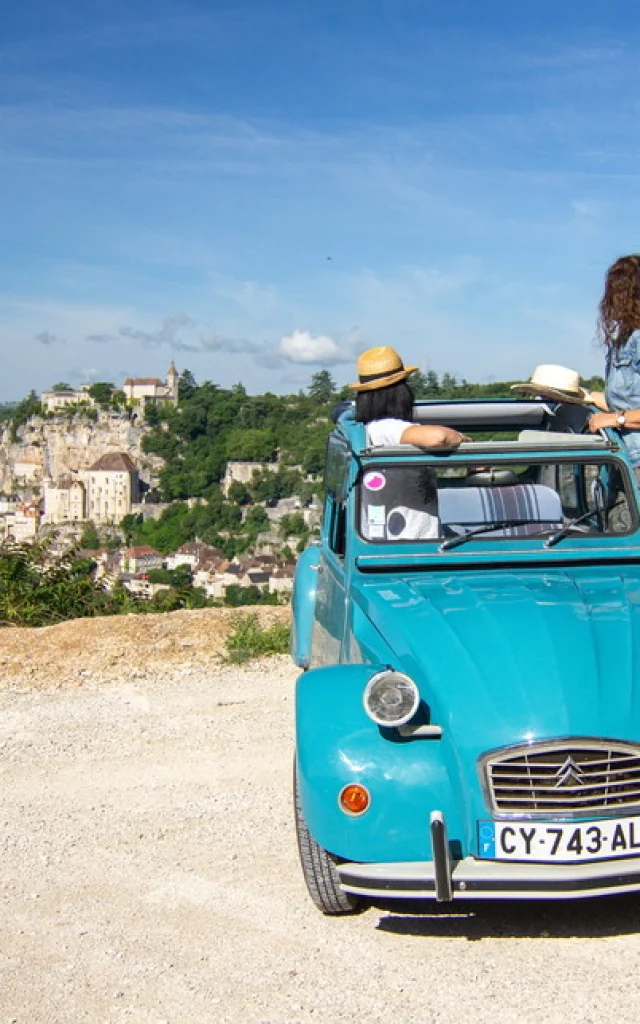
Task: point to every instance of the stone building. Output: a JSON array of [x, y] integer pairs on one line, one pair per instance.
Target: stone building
[[23, 523], [64, 500], [104, 493], [27, 468], [137, 391], [55, 401], [112, 487], [141, 558], [149, 390]]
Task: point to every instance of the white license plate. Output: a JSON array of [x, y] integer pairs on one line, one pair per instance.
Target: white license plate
[[559, 841]]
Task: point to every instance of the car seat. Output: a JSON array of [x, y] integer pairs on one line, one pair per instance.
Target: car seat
[[463, 508]]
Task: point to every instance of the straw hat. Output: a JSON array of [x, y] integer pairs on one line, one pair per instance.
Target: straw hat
[[557, 383], [380, 367]]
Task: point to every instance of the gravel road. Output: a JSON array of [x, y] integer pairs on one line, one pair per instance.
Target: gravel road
[[149, 874]]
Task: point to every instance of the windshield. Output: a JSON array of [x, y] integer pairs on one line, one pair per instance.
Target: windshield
[[566, 497]]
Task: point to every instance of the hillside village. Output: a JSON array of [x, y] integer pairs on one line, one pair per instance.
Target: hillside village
[[177, 492], [77, 469]]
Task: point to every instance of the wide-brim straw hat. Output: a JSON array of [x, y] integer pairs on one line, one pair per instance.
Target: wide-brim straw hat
[[380, 367], [558, 383]]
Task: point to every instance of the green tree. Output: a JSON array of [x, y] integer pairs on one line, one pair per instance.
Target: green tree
[[131, 528], [251, 445], [195, 597], [182, 576], [61, 386], [268, 486], [186, 385], [293, 525], [257, 519], [322, 388], [152, 415], [101, 393], [239, 494], [90, 539], [28, 407], [167, 600]]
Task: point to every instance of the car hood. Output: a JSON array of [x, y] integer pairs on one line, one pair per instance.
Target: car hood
[[507, 657]]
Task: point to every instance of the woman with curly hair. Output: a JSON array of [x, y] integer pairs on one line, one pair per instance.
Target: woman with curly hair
[[619, 329]]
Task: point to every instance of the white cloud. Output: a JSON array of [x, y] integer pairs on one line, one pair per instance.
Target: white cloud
[[319, 349]]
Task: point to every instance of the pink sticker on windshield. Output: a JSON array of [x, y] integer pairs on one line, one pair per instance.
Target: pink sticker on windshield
[[374, 481]]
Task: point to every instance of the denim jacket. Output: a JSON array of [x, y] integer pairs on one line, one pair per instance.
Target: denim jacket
[[622, 387]]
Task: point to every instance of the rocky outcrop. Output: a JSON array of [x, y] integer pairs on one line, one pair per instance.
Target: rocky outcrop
[[59, 446]]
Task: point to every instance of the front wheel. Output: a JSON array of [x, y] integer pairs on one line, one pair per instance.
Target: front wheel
[[319, 869]]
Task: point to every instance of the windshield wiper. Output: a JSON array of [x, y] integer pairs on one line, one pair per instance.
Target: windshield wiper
[[462, 538], [556, 537]]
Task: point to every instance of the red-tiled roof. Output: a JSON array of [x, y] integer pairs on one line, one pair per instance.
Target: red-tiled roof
[[145, 380], [140, 551]]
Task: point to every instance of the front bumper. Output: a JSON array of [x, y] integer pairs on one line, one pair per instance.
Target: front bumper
[[444, 879], [493, 880]]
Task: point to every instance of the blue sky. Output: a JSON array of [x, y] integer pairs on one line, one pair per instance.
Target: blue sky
[[173, 177]]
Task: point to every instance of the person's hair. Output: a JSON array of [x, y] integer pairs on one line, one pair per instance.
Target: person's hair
[[393, 402], [620, 304]]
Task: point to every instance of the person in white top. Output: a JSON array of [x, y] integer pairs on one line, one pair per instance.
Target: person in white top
[[384, 402], [396, 503]]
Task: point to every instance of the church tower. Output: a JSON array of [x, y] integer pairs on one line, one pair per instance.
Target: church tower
[[172, 382]]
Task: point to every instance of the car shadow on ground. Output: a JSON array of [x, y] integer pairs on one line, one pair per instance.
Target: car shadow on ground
[[483, 919]]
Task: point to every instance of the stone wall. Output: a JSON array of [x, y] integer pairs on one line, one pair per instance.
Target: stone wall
[[242, 472]]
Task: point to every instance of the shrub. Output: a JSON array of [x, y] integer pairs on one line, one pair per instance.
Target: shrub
[[90, 539], [251, 640], [235, 596], [38, 591]]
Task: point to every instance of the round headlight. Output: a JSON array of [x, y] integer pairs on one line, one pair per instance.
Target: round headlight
[[391, 698]]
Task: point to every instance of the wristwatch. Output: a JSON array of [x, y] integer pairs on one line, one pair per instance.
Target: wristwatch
[[621, 419]]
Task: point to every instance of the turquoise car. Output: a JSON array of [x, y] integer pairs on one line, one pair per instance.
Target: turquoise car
[[468, 714]]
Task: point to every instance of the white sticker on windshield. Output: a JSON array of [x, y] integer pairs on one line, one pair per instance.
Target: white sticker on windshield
[[376, 515]]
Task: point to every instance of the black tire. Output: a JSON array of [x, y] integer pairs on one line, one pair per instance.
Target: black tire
[[319, 869]]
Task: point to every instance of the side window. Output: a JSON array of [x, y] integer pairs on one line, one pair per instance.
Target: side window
[[335, 485]]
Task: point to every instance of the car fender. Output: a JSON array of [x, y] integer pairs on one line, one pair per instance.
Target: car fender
[[303, 602], [338, 744]]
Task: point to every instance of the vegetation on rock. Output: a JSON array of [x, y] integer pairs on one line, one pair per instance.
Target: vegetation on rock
[[251, 640]]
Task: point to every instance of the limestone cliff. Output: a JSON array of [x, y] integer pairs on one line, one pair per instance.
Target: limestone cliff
[[59, 446]]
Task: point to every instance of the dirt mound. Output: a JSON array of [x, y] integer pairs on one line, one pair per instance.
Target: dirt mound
[[118, 647]]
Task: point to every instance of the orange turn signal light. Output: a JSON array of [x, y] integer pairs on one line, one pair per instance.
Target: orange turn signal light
[[354, 799]]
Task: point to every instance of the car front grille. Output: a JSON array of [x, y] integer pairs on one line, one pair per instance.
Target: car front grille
[[569, 778]]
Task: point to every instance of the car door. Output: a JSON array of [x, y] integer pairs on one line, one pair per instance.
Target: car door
[[329, 624]]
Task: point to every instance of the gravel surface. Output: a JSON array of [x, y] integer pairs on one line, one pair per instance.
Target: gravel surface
[[150, 874]]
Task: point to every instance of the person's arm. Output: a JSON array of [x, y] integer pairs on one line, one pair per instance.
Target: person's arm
[[602, 420], [432, 437], [597, 398]]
